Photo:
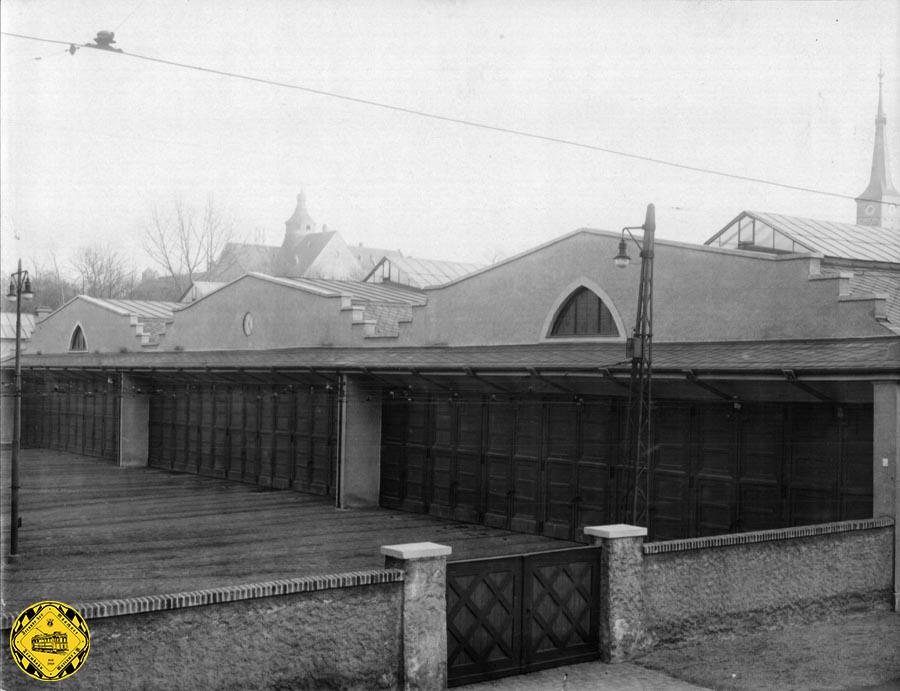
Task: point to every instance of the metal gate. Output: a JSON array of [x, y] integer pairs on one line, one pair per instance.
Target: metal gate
[[511, 615]]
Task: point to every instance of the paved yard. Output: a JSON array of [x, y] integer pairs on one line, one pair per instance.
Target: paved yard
[[94, 531]]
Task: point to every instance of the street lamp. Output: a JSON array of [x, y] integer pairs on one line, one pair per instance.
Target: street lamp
[[638, 427], [19, 289]]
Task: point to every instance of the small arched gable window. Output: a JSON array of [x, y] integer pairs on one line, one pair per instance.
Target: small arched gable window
[[78, 342], [584, 314]]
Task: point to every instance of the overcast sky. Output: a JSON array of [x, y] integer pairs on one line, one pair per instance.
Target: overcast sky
[[784, 91]]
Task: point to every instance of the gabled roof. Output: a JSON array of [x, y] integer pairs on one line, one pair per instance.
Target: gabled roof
[[368, 257], [419, 273], [142, 309], [200, 288], [879, 282], [307, 249], [325, 287], [828, 238], [8, 325], [239, 258]]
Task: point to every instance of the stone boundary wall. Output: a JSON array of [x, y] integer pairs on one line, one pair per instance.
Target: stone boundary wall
[[231, 593], [340, 631], [709, 584]]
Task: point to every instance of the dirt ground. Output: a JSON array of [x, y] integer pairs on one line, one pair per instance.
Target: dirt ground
[[850, 651]]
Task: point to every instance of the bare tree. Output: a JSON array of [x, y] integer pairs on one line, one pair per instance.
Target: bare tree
[[51, 287], [104, 273], [185, 241]]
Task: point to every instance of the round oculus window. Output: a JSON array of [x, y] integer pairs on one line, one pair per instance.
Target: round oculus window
[[247, 323]]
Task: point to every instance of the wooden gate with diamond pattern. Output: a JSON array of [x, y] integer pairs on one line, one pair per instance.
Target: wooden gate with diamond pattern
[[511, 615]]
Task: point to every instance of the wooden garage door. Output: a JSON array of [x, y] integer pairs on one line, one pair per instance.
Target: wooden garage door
[[554, 465], [75, 414], [525, 465], [267, 434]]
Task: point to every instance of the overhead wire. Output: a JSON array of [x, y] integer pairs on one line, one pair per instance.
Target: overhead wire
[[465, 122], [130, 14]]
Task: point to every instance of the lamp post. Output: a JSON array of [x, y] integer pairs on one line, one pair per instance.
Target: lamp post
[[19, 289], [638, 426]]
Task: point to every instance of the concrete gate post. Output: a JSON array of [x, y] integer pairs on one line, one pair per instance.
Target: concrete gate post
[[424, 566], [622, 631], [134, 424], [886, 465], [360, 461]]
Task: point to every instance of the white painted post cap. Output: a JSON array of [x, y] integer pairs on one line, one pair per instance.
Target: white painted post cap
[[416, 550], [613, 531]]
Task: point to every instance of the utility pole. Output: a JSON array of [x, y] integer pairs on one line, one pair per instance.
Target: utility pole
[[639, 349], [19, 289]]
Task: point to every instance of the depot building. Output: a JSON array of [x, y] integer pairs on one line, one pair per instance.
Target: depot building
[[499, 395]]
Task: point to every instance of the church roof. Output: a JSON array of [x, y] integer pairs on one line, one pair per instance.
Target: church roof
[[306, 250], [755, 230], [239, 258]]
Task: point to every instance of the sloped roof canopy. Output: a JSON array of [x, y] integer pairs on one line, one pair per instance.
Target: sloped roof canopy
[[848, 357], [754, 230], [8, 324], [419, 273]]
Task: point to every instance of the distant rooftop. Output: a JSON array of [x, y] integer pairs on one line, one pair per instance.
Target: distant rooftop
[[418, 273], [8, 325], [142, 309], [754, 230]]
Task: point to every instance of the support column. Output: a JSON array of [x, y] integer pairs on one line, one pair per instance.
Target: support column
[[134, 425], [886, 465], [424, 611], [360, 462], [622, 632]]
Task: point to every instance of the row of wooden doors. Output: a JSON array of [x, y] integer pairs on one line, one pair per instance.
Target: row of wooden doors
[[272, 435], [78, 415], [552, 466]]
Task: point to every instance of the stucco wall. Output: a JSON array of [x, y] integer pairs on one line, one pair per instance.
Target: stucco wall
[[706, 584], [699, 294], [343, 638], [104, 330], [282, 317]]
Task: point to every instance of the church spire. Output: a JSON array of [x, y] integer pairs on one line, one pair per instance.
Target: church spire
[[878, 204]]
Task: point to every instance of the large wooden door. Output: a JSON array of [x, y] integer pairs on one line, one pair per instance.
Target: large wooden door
[[760, 474], [511, 615], [269, 434], [671, 471], [553, 465]]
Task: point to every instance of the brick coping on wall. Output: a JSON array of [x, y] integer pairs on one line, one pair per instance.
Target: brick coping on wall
[[766, 535], [229, 593]]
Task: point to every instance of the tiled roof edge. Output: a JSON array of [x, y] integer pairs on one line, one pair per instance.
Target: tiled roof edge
[[766, 535], [233, 593]]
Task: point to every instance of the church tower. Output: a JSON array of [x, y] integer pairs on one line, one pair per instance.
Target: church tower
[[299, 226], [879, 204], [299, 223]]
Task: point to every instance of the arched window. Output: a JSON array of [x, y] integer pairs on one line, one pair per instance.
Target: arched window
[[77, 342], [584, 314]]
